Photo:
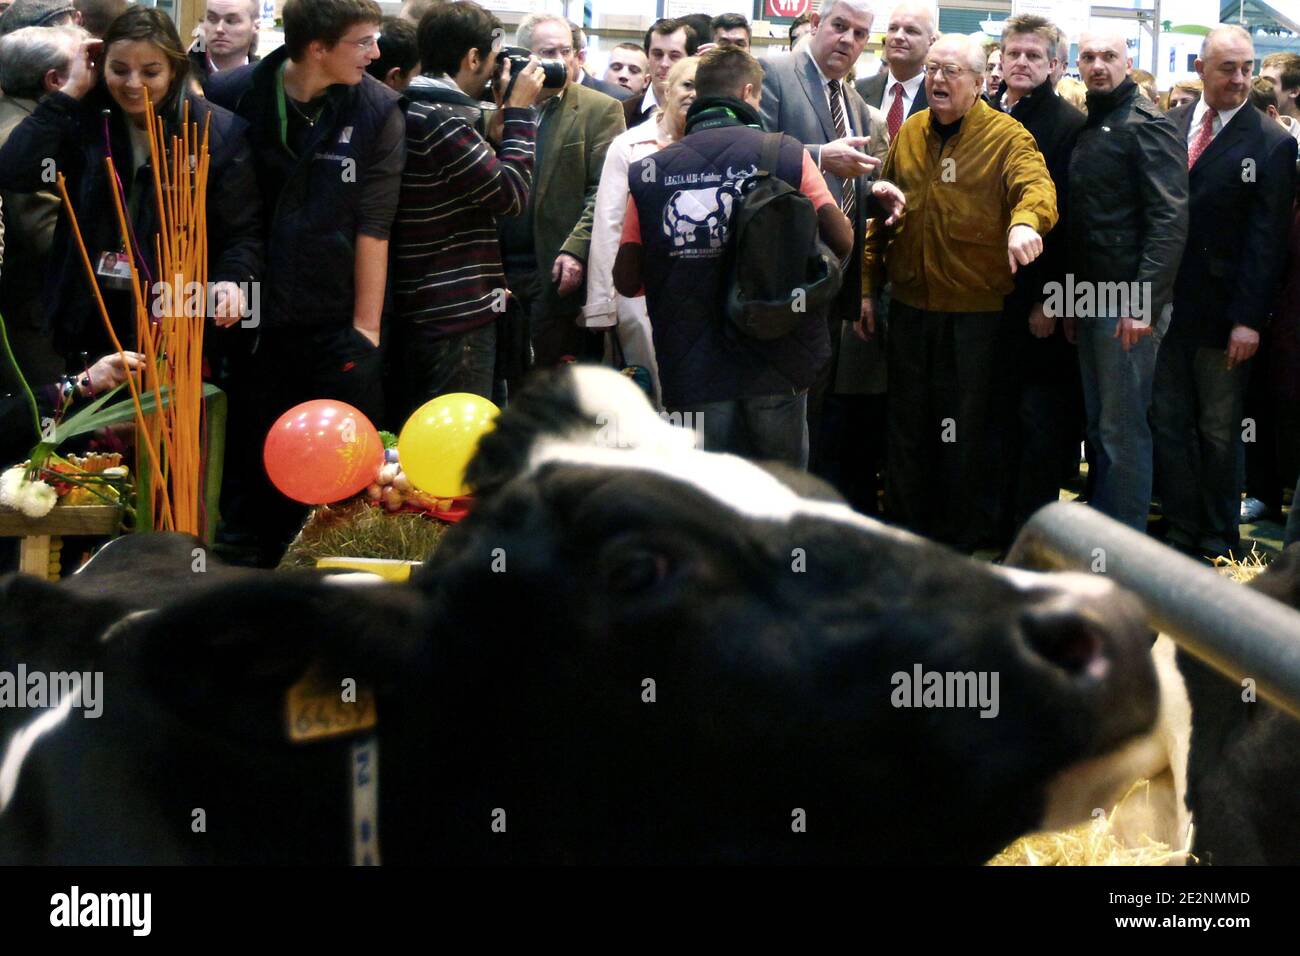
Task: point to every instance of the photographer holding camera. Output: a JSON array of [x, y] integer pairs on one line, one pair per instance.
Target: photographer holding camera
[[545, 249], [449, 284]]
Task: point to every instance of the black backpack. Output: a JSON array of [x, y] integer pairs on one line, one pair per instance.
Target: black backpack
[[780, 268]]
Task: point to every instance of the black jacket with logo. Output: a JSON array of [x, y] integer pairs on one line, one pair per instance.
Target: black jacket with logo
[[313, 201]]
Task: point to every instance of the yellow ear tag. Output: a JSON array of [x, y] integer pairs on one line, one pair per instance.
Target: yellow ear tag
[[317, 708]]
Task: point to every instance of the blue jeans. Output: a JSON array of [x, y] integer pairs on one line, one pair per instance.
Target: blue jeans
[[1196, 419], [764, 427], [1117, 387]]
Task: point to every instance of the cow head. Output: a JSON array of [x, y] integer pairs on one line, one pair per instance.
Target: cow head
[[651, 653]]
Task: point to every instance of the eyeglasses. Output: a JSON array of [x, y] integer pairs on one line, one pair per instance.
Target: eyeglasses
[[950, 70], [366, 43]]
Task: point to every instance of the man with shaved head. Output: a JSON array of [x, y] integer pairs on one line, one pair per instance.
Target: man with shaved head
[[1242, 181], [1127, 219], [900, 90], [979, 201]]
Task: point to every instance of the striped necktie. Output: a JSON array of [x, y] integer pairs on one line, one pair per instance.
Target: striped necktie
[[849, 198]]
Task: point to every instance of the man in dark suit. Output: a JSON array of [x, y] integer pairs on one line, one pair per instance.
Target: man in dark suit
[[578, 72], [900, 90], [805, 96], [1242, 184], [666, 42]]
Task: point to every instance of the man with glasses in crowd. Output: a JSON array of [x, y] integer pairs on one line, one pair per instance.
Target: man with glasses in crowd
[[545, 248], [979, 201]]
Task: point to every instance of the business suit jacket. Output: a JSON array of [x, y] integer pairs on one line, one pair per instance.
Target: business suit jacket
[[794, 103], [567, 172], [1240, 199], [633, 115], [600, 86], [872, 89]]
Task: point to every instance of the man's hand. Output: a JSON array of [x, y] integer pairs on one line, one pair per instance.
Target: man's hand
[[108, 373], [1041, 325], [568, 274], [1070, 326], [844, 158], [527, 86], [1243, 342], [865, 327], [372, 335], [704, 48], [1130, 332], [228, 304], [892, 198], [1024, 245], [81, 70]]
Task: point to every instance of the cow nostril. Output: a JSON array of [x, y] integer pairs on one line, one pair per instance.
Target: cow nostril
[[1066, 639]]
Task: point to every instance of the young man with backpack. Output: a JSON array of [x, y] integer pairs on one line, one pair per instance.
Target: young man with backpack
[[741, 372]]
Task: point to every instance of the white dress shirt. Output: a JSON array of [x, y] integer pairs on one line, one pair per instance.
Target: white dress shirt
[[910, 88], [649, 101], [1220, 121], [844, 96]]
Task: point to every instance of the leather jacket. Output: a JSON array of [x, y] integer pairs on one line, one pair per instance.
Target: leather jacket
[[1128, 196]]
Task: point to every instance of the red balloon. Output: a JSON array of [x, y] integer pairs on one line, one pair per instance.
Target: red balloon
[[322, 451]]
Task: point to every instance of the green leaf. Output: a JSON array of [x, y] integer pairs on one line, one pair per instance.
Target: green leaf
[[97, 415]]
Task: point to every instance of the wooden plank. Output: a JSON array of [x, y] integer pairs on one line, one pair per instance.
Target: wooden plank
[[63, 520], [34, 556]]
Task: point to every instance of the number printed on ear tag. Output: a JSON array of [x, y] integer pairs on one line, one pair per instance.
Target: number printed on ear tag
[[317, 708]]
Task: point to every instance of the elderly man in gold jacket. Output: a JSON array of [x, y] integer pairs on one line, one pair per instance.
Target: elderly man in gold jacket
[[979, 200]]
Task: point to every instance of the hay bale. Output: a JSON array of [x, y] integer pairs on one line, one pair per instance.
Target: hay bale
[[356, 529]]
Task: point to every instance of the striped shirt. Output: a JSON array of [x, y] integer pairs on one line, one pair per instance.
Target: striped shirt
[[447, 264]]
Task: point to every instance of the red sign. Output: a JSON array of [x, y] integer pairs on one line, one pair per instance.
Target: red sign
[[787, 8]]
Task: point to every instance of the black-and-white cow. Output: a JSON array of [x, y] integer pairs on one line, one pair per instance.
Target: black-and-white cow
[[632, 651]]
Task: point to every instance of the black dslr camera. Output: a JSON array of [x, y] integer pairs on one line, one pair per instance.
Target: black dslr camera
[[555, 71]]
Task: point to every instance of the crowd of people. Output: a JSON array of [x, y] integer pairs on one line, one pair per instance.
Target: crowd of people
[[403, 207]]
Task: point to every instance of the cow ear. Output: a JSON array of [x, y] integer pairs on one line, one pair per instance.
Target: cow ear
[[546, 406], [38, 614], [269, 628]]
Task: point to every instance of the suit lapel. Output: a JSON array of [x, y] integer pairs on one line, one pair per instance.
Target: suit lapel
[[874, 90], [920, 103], [1228, 137], [557, 130], [816, 93]]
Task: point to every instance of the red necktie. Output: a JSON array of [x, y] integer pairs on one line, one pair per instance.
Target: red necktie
[[895, 117], [1203, 137]]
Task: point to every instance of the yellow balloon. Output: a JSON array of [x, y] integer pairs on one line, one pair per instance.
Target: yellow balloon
[[440, 438]]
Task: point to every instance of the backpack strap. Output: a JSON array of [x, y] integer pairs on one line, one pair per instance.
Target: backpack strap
[[768, 158]]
